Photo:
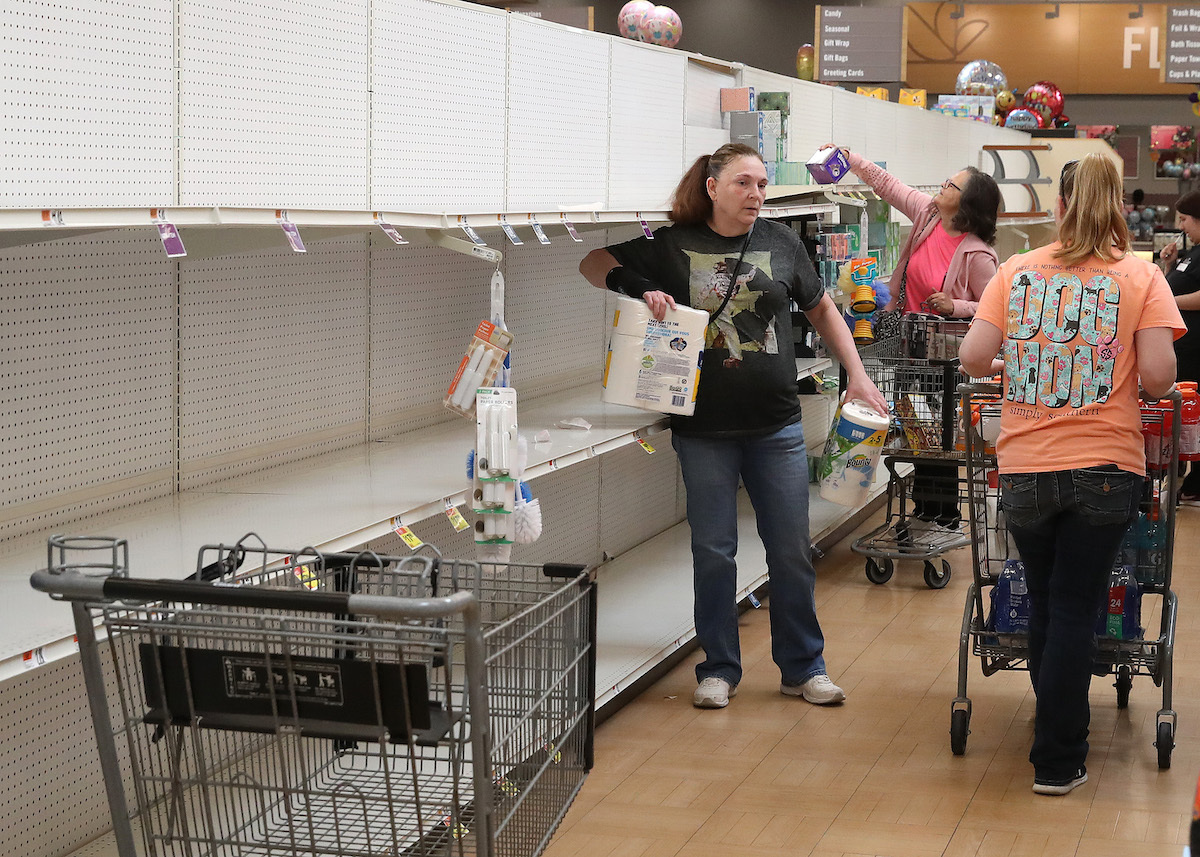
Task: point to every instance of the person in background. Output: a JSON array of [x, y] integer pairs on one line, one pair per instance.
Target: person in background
[[1078, 322], [1183, 275], [943, 268], [747, 420], [1137, 201]]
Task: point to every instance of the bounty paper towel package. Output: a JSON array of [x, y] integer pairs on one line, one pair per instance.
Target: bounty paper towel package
[[852, 451], [654, 365]]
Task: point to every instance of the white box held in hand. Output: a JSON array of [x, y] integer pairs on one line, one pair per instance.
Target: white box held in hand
[[654, 365]]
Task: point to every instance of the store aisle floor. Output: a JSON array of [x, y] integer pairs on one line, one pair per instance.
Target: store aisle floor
[[771, 776]]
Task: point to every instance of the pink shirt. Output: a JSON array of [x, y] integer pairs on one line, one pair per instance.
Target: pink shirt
[[927, 268]]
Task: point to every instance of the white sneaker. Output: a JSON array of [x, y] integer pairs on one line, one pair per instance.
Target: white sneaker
[[713, 692], [818, 690]]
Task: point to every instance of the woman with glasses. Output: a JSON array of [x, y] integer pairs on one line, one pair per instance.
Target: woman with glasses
[[944, 265], [1078, 324]]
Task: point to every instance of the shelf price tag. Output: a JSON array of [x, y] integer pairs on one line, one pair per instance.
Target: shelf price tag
[[290, 230], [52, 217], [471, 233], [510, 232], [171, 240], [646, 230], [537, 230], [456, 519], [571, 229], [406, 535], [389, 230], [33, 658], [644, 444]]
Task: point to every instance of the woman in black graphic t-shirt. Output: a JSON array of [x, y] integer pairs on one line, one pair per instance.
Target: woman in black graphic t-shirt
[[746, 426]]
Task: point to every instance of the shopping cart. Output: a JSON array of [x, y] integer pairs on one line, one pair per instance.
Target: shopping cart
[[1148, 550], [303, 703], [918, 374]]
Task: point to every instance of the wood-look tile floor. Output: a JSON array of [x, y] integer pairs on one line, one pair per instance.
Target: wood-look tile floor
[[772, 776]]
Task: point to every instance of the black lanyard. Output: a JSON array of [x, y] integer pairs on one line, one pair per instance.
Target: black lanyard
[[732, 278]]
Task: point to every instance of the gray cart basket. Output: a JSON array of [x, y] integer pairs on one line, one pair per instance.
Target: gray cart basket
[[300, 703]]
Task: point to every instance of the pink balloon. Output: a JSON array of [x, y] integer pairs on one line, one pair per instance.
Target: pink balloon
[[629, 19], [661, 26]]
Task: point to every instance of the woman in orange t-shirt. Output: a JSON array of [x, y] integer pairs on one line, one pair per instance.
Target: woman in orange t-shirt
[[1077, 323]]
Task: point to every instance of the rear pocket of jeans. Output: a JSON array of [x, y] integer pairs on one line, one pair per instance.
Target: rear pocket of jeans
[[1018, 496], [1106, 497]]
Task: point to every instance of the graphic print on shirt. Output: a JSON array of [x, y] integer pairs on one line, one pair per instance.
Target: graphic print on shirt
[[1074, 368], [740, 327]]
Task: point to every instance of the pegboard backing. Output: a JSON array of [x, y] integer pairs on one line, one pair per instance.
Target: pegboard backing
[[811, 124], [425, 304], [87, 103], [273, 349], [437, 125], [647, 145], [87, 350], [559, 321], [274, 103], [558, 85], [48, 748], [640, 494], [702, 107], [700, 141]]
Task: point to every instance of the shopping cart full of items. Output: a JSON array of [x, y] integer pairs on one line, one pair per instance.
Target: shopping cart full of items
[[333, 704], [995, 615], [918, 374]]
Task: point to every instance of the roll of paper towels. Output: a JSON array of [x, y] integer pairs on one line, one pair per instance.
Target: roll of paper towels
[[851, 456]]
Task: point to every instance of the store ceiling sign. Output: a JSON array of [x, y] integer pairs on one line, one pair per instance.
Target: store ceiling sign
[[860, 44], [1181, 61], [1088, 49]]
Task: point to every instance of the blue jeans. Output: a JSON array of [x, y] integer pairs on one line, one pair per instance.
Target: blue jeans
[[774, 469], [1068, 526]]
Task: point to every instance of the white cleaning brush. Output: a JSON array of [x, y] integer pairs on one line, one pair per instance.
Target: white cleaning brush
[[527, 512]]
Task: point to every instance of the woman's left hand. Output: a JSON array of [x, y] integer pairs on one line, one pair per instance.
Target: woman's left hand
[[940, 303]]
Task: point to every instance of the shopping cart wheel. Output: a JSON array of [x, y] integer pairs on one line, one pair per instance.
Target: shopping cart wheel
[[960, 721], [1165, 744], [936, 578], [1123, 683], [877, 573]]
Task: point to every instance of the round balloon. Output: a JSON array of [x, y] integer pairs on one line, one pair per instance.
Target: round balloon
[[661, 26], [630, 17], [980, 77], [1044, 99], [1023, 119], [804, 62], [1005, 101]]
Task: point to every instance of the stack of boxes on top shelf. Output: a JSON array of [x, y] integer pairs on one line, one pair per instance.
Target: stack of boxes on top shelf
[[760, 120]]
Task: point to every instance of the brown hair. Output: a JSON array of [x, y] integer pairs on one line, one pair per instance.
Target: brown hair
[[978, 206], [690, 203], [1093, 222]]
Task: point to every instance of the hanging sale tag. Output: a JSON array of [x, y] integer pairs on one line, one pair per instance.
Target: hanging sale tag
[[389, 230], [171, 240], [406, 535], [456, 519], [510, 232], [646, 230], [571, 229], [471, 233], [290, 230], [537, 230], [646, 446]]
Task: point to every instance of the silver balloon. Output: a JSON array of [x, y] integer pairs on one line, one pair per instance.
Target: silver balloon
[[980, 77]]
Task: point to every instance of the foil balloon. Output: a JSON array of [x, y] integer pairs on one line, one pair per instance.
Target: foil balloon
[[980, 77], [1044, 99], [804, 62], [661, 26], [1023, 119], [630, 17], [1005, 101]]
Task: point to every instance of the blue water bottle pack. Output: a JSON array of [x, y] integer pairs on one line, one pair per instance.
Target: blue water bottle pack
[[1010, 600], [1122, 617]]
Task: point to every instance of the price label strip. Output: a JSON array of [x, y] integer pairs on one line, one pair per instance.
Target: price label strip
[[290, 230], [537, 230], [471, 233], [406, 535], [646, 230], [642, 442], [389, 230], [456, 519], [571, 229], [171, 240], [510, 232]]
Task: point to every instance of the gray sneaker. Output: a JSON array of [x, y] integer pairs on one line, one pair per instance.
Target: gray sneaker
[[713, 692], [818, 690]]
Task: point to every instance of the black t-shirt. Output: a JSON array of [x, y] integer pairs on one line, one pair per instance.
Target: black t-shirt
[[748, 378], [1185, 279]]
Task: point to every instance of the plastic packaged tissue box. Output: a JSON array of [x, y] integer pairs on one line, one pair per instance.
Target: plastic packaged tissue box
[[828, 166]]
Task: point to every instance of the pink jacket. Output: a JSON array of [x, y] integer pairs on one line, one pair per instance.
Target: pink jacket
[[974, 262]]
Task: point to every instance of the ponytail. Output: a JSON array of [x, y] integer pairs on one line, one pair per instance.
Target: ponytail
[[690, 203], [1093, 221]]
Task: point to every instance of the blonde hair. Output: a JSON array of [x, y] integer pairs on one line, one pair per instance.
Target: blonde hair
[[1093, 222]]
